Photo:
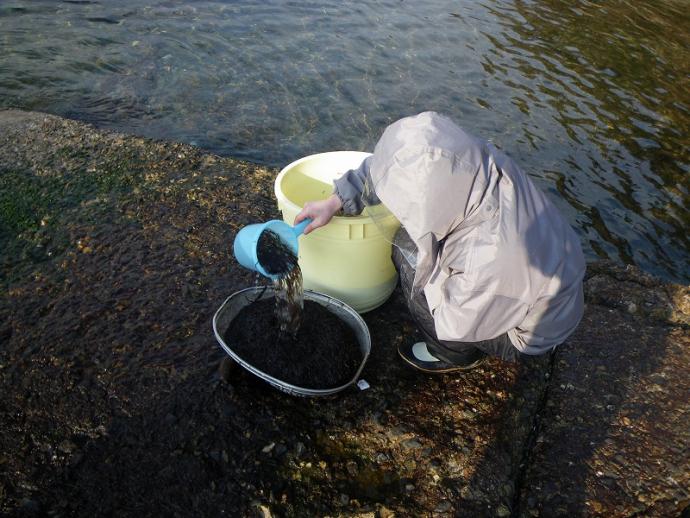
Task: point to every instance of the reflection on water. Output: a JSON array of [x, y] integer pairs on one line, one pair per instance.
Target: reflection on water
[[592, 99], [625, 114]]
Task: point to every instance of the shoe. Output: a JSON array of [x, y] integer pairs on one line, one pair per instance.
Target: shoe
[[419, 357]]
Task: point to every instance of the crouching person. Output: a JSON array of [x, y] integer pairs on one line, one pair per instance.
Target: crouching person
[[489, 266]]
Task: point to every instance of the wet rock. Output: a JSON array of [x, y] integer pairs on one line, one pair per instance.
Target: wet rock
[[67, 447], [115, 344], [627, 374], [299, 449], [443, 507], [411, 444], [352, 468]]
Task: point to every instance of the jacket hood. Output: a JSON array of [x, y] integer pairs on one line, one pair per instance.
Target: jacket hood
[[431, 175]]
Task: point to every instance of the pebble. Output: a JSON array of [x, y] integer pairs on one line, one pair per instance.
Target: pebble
[[352, 468], [411, 444], [299, 449], [268, 447], [466, 414], [453, 466], [67, 446]]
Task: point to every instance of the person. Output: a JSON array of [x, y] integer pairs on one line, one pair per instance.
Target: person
[[488, 264]]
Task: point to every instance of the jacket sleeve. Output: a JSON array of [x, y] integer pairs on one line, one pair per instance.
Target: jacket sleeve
[[353, 189], [473, 316]]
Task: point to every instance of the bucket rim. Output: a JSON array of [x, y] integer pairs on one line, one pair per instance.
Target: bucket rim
[[338, 220], [289, 388]]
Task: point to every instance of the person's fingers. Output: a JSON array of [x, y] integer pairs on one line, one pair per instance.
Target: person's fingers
[[303, 214], [317, 221], [319, 212]]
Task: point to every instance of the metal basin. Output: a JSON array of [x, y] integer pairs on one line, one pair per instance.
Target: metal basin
[[239, 300]]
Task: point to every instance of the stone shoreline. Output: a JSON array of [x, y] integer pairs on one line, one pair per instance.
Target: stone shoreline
[[114, 255]]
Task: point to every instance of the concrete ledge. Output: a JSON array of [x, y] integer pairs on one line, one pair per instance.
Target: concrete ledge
[[114, 254]]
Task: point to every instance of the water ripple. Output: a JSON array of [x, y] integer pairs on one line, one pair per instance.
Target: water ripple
[[592, 99]]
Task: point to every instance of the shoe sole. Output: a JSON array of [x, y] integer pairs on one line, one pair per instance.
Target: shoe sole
[[442, 370]]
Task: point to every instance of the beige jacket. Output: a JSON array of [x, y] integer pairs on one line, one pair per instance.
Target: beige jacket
[[494, 254]]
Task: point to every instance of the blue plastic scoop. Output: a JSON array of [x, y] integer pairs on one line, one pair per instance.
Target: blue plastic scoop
[[246, 240]]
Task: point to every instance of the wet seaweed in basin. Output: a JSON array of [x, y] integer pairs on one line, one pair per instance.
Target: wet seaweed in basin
[[323, 354], [309, 347]]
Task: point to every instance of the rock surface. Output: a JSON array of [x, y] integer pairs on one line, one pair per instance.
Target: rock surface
[[114, 255]]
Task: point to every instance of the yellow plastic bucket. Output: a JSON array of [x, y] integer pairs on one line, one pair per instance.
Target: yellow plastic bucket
[[348, 259]]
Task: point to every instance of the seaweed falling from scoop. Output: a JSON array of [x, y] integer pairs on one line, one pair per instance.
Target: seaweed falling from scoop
[[304, 345], [278, 259]]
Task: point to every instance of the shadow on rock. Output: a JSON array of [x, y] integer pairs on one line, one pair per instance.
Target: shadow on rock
[[611, 436]]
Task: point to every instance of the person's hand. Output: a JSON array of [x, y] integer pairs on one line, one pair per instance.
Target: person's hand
[[320, 212]]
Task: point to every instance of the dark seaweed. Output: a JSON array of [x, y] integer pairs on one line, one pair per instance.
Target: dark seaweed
[[324, 353]]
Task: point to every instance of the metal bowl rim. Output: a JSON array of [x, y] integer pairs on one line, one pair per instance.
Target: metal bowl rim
[[282, 385]]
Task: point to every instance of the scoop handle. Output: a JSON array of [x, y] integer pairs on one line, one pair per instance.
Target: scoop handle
[[299, 228]]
